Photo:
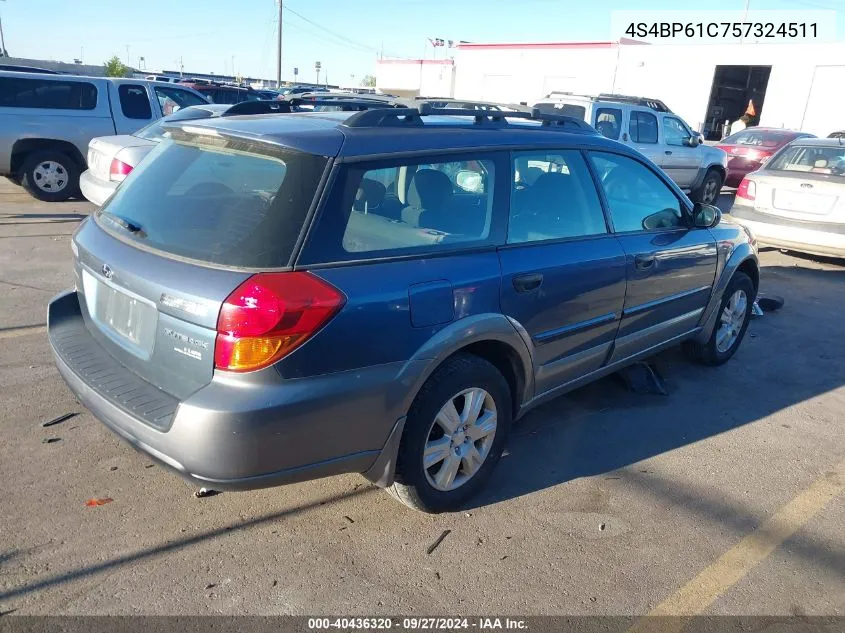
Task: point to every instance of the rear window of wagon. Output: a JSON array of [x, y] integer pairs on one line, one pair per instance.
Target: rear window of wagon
[[227, 202]]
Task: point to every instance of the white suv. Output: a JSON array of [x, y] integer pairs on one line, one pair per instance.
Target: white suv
[[652, 128]]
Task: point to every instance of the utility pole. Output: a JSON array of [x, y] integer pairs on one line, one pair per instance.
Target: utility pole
[[3, 51], [279, 50]]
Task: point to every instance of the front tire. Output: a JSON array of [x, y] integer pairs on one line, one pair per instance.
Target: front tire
[[731, 324], [454, 435], [710, 188], [50, 176]]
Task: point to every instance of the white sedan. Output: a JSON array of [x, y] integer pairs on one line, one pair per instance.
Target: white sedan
[[112, 158], [796, 200]]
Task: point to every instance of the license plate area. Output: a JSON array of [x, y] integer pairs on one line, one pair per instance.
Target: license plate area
[[799, 202], [129, 320]]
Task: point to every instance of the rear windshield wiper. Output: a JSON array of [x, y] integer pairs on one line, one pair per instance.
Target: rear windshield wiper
[[127, 225]]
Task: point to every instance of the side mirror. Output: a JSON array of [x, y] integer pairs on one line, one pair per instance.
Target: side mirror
[[692, 141], [706, 216], [470, 181]]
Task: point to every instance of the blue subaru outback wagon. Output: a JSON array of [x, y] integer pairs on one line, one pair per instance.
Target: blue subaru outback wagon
[[275, 298]]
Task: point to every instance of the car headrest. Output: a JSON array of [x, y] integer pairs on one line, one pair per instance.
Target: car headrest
[[552, 189], [430, 189], [370, 194]]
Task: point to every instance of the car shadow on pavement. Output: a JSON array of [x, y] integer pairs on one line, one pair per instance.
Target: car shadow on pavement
[[603, 428], [173, 545]]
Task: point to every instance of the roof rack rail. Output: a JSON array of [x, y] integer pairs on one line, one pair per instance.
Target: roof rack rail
[[399, 116], [466, 104], [654, 104], [259, 107]]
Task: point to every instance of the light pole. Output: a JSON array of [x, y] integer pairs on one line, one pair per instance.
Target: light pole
[[279, 50], [3, 51]]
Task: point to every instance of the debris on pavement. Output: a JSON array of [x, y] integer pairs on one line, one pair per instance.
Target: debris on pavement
[[202, 493], [51, 440], [350, 519], [59, 420], [770, 303], [437, 543], [93, 503], [211, 585]]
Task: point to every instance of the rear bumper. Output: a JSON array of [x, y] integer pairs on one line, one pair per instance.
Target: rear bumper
[[817, 238], [227, 436], [95, 189]]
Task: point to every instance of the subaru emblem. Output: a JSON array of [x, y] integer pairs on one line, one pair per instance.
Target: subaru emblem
[[806, 185], [108, 273]]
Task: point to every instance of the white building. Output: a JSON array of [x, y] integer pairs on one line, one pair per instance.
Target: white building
[[799, 86]]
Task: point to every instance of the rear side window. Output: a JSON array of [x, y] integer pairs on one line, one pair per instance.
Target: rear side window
[[405, 207], [609, 122], [134, 102], [643, 127], [47, 93], [231, 203], [553, 197]]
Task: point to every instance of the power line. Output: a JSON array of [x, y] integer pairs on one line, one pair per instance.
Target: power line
[[335, 34]]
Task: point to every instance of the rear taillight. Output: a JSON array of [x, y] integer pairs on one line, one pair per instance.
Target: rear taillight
[[758, 154], [747, 189], [119, 170], [269, 315]]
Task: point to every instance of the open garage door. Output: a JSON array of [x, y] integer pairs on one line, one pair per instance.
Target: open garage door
[[824, 113]]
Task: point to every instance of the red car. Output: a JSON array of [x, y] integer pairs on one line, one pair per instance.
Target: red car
[[749, 149]]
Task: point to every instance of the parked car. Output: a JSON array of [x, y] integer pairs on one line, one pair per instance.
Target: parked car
[[273, 299], [749, 149], [838, 134], [112, 158], [221, 93], [797, 199], [28, 69], [652, 128], [47, 121]]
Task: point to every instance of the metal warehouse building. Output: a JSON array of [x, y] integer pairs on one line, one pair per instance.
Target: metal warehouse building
[[799, 86]]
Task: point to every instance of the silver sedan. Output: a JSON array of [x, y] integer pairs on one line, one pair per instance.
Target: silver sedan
[[797, 199], [112, 158]]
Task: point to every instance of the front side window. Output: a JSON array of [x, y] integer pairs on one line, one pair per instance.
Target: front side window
[[553, 197], [639, 200], [134, 102], [47, 93], [405, 207], [609, 122], [643, 127], [172, 99], [674, 131]]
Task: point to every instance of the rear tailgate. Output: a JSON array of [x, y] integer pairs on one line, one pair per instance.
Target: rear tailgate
[[194, 220]]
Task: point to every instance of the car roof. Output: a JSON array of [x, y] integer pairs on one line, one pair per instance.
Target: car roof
[[817, 142], [325, 133]]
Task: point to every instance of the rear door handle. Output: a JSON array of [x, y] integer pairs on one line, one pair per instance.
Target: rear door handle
[[644, 262], [527, 283], [668, 152]]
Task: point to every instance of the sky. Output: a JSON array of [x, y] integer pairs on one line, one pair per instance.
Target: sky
[[346, 36]]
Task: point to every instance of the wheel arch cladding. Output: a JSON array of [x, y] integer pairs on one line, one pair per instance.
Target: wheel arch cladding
[[488, 336], [742, 259], [750, 268], [25, 147]]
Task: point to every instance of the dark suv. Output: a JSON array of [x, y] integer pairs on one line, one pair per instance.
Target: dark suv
[[268, 299]]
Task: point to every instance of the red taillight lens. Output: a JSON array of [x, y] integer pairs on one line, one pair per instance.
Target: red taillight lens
[[119, 170], [269, 315], [747, 189], [758, 154]]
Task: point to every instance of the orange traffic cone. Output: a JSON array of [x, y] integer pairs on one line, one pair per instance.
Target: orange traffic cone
[[750, 110]]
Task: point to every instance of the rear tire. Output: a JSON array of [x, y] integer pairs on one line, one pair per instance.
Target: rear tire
[[50, 176], [462, 380], [710, 188], [729, 329]]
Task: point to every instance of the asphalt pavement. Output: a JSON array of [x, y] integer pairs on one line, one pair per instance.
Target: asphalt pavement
[[724, 497]]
